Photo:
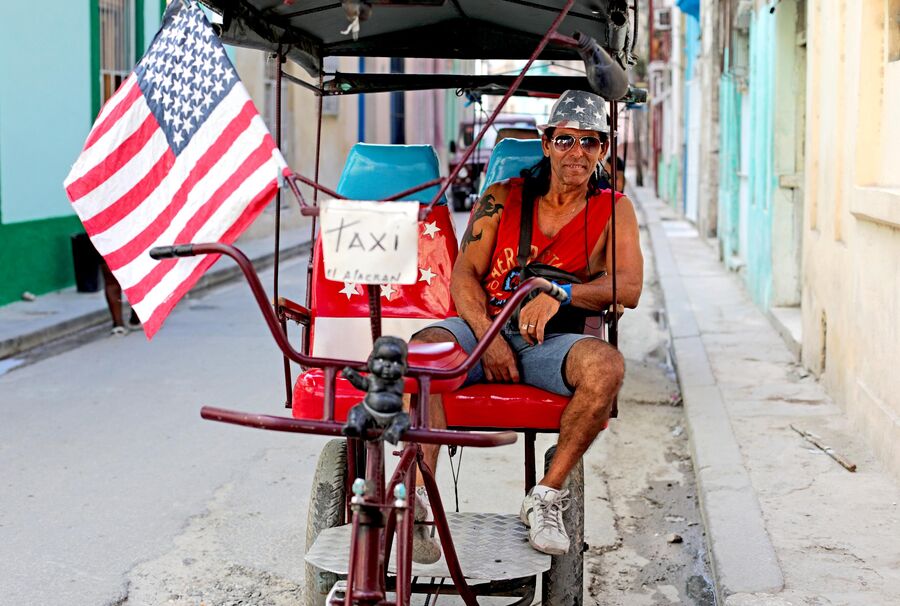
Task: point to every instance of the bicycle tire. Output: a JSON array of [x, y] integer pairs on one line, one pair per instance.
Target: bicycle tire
[[327, 509]]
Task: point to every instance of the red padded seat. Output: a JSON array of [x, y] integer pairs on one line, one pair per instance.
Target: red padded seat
[[504, 406], [309, 389]]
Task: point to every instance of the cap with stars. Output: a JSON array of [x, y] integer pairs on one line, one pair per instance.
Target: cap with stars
[[578, 109]]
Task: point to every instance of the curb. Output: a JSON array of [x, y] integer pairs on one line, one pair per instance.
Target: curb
[[742, 558], [43, 336]]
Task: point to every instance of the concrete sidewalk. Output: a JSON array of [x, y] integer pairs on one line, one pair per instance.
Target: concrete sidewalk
[[26, 325], [785, 523]]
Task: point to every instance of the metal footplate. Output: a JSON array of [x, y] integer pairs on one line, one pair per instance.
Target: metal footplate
[[491, 547]]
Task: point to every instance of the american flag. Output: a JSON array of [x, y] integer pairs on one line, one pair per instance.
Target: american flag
[[179, 154]]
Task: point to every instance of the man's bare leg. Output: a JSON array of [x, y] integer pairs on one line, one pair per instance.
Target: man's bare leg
[[436, 417], [425, 549], [595, 370]]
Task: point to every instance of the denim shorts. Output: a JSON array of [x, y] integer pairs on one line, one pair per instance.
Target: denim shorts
[[541, 365]]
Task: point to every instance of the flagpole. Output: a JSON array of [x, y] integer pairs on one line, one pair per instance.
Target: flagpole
[[288, 379], [312, 228]]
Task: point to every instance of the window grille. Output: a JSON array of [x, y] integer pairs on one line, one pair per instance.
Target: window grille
[[117, 52]]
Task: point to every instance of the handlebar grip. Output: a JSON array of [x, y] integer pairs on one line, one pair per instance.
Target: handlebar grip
[[606, 77], [168, 252]]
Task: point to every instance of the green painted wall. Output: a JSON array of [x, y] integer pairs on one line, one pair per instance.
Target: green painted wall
[[36, 256]]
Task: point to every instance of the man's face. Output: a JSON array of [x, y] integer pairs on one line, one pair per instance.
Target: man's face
[[572, 167]]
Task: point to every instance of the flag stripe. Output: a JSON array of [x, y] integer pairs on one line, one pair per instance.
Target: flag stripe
[[129, 201], [158, 205], [99, 199], [250, 190], [118, 158], [260, 157], [162, 309], [114, 109], [97, 154], [214, 157], [177, 154]]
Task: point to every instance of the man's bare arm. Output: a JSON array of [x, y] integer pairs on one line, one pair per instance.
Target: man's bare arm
[[597, 294], [472, 264]]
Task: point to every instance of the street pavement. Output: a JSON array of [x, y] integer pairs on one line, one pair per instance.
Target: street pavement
[[115, 492], [785, 523]]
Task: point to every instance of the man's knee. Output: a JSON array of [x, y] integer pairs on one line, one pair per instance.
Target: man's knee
[[595, 365], [433, 334]]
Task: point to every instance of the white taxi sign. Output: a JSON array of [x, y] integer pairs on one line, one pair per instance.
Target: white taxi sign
[[370, 242]]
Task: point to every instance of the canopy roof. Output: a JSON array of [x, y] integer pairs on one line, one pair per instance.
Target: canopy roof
[[308, 30]]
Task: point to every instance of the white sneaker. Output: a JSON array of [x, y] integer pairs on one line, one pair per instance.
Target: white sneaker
[[542, 514], [426, 549]]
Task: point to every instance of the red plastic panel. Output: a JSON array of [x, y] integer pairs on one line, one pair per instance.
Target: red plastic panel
[[309, 389], [504, 406], [429, 297], [484, 406]]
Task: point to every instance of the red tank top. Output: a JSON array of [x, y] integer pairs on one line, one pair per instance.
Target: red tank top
[[565, 250]]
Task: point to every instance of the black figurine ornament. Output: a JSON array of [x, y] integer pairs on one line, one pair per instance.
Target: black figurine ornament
[[383, 404]]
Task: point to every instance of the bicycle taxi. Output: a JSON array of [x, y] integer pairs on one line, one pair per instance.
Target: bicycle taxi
[[360, 526]]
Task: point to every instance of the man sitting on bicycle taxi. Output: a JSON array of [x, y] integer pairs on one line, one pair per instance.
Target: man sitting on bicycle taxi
[[545, 346]]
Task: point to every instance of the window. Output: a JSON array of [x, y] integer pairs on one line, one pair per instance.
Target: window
[[662, 19], [117, 52]]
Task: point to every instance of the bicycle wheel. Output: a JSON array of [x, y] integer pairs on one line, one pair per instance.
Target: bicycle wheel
[[327, 509]]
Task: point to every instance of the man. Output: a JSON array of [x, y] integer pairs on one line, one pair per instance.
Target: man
[[606, 177], [570, 232]]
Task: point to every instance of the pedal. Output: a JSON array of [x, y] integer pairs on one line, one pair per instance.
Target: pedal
[[337, 594]]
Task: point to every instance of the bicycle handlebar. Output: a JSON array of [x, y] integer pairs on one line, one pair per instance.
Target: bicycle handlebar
[[443, 437], [259, 293]]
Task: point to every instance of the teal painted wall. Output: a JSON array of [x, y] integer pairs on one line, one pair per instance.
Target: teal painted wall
[[761, 174], [45, 105], [691, 130], [48, 99], [669, 180], [729, 165]]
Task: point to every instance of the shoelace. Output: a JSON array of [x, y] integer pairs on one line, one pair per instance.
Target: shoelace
[[549, 512]]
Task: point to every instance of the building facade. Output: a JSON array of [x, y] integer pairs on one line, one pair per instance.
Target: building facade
[[54, 75], [851, 221], [807, 180]]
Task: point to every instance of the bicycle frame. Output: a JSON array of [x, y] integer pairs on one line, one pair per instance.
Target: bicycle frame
[[376, 516]]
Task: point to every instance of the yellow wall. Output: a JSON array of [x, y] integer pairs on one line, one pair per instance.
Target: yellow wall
[[851, 256]]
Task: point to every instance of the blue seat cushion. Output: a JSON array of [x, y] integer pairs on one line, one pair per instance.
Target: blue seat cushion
[[375, 172], [510, 157]]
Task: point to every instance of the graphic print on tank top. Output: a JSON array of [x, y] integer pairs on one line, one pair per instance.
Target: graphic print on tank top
[[565, 250]]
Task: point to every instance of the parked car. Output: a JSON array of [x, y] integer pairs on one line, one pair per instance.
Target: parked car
[[464, 190]]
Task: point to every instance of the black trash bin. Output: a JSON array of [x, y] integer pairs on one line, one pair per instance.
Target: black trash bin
[[87, 264]]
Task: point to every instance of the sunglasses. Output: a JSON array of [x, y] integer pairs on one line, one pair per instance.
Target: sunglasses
[[564, 143]]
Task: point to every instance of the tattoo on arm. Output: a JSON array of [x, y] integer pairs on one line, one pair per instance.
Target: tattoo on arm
[[487, 207]]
